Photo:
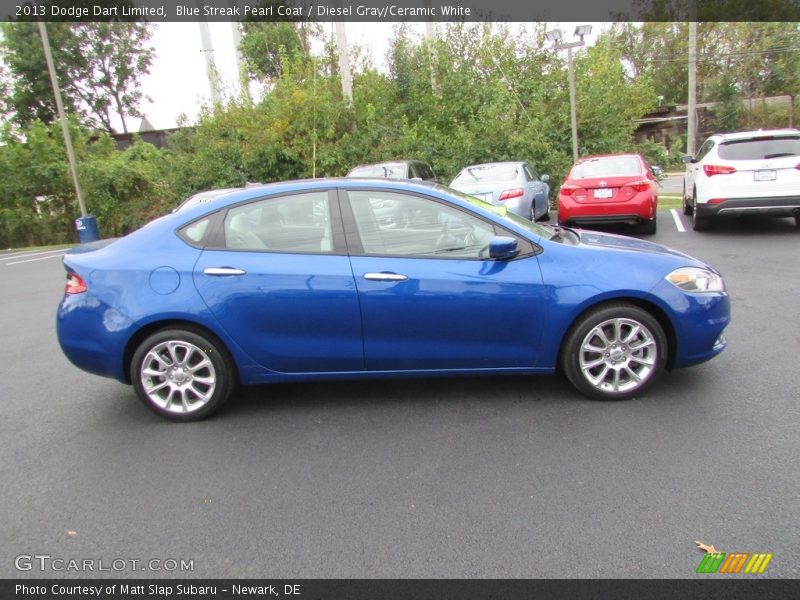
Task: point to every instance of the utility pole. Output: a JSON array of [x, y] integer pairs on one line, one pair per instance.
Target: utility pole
[[208, 54], [556, 36], [344, 63], [691, 122], [430, 38], [62, 116], [244, 77]]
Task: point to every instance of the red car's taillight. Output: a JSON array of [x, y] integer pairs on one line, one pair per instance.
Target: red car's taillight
[[569, 189], [75, 284], [515, 193], [711, 170], [640, 186]]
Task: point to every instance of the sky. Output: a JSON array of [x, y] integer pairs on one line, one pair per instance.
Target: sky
[[178, 83]]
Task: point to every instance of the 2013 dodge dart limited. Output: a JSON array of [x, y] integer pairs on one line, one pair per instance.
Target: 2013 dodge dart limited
[[300, 281]]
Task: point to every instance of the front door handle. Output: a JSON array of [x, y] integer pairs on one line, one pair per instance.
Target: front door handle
[[385, 277], [223, 271]]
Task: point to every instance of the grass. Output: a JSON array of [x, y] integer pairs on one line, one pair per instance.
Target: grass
[[668, 201]]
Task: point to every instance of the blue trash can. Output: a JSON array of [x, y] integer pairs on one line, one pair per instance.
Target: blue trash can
[[87, 229]]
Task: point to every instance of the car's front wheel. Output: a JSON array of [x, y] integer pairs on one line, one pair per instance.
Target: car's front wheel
[[182, 374], [614, 352]]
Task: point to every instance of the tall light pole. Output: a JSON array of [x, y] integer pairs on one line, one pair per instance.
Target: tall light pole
[[62, 116], [556, 36]]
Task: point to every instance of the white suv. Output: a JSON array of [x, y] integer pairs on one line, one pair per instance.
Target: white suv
[[751, 172]]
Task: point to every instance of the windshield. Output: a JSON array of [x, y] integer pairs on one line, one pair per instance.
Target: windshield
[[387, 170], [613, 166], [760, 148], [484, 173]]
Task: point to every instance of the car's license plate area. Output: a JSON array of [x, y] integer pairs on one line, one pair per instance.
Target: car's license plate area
[[765, 175], [603, 193]]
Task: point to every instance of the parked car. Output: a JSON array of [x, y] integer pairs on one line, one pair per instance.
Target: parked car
[[745, 173], [395, 169], [515, 185], [611, 188], [297, 281]]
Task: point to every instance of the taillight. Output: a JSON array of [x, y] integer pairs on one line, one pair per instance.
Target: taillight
[[75, 284], [569, 189], [640, 186], [716, 201], [515, 193], [711, 170]]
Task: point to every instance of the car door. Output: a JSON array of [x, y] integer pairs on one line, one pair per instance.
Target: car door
[[430, 297], [540, 190], [280, 283]]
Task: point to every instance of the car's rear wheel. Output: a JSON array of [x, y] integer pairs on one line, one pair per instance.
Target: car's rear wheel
[[797, 221], [687, 206], [614, 352], [182, 374], [648, 227], [698, 223]]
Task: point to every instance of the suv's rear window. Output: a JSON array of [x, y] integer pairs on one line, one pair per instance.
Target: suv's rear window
[[760, 148]]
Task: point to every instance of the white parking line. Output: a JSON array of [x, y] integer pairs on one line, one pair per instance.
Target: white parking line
[[19, 262], [677, 219], [27, 253]]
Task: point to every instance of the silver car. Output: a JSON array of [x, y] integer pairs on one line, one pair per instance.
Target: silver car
[[515, 185]]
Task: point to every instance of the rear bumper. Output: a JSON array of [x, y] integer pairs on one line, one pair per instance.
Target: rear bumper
[[631, 211], [782, 206]]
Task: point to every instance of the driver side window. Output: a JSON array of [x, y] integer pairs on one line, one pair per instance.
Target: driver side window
[[394, 224]]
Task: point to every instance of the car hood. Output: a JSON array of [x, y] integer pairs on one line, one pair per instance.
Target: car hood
[[621, 242]]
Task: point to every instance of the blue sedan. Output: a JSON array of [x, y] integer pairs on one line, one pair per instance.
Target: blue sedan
[[300, 281]]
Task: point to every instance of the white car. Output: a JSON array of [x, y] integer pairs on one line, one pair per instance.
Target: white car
[[750, 172]]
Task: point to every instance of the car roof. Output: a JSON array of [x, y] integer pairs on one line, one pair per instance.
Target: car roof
[[744, 135], [259, 190]]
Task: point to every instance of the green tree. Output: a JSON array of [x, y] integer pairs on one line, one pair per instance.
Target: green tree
[[99, 66]]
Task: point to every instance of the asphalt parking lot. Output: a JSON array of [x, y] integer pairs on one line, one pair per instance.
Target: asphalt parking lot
[[486, 478]]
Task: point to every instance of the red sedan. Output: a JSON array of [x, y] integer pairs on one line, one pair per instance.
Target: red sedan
[[613, 188]]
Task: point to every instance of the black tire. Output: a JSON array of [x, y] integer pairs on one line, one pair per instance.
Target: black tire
[[623, 371], [648, 227], [687, 207], [182, 374], [698, 223], [797, 221]]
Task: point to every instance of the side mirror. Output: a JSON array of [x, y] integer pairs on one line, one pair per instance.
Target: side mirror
[[657, 171], [502, 247], [687, 159], [544, 178]]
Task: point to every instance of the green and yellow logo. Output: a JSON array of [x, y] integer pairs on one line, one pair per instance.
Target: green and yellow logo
[[732, 562]]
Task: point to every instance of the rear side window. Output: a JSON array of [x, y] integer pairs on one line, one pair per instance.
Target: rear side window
[[760, 148], [296, 223]]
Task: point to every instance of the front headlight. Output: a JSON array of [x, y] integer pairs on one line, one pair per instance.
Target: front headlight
[[695, 279]]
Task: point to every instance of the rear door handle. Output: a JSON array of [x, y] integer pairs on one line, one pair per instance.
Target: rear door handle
[[385, 277], [223, 271]]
